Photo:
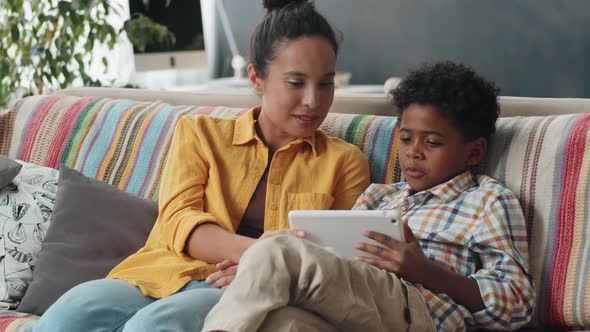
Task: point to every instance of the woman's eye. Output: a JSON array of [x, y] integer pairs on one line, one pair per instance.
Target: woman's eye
[[295, 83], [405, 139], [327, 84]]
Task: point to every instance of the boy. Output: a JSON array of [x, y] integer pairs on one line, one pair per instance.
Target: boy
[[465, 257]]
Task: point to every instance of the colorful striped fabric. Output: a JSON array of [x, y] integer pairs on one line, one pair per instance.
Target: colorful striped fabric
[[124, 142], [544, 160], [12, 321], [120, 142]]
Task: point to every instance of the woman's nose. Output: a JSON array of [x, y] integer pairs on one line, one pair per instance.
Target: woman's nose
[[311, 99]]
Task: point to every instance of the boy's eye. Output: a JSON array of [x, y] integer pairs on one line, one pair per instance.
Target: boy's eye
[[327, 83], [405, 139], [433, 143], [295, 83]]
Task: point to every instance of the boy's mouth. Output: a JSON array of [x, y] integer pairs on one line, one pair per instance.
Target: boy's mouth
[[414, 172]]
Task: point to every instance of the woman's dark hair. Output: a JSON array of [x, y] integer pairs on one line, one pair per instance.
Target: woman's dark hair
[[286, 20], [468, 100]]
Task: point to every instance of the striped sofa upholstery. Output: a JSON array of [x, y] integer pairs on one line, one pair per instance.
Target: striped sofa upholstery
[[544, 160]]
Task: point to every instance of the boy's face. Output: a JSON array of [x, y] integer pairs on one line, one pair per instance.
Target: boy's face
[[432, 150]]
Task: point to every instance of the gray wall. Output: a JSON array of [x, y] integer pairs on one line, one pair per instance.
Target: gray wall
[[529, 47]]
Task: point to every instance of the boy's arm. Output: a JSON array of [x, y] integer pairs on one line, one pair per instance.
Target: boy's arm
[[500, 294], [439, 279], [407, 260], [503, 280], [462, 290]]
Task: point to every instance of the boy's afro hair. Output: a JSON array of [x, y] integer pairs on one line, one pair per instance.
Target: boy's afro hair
[[468, 100]]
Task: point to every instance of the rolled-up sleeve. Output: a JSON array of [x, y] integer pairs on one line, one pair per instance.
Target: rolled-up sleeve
[[182, 191], [504, 283]]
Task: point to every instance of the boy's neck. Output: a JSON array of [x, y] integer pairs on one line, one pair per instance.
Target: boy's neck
[[411, 192]]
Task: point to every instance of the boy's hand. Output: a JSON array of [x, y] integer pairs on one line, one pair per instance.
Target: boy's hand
[[224, 276], [405, 259]]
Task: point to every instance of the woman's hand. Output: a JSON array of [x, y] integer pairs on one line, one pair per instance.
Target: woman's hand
[[227, 269], [294, 232], [226, 272], [405, 259]]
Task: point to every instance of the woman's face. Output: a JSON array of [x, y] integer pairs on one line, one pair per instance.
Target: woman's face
[[297, 91]]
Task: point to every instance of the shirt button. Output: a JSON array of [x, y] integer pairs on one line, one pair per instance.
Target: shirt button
[[273, 206], [404, 208]]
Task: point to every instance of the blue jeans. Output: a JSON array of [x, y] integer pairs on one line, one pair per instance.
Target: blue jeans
[[116, 305]]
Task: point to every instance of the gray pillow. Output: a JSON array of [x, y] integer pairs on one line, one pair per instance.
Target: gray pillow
[[94, 227], [8, 170]]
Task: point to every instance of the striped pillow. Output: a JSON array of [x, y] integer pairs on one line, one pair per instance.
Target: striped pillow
[[546, 162], [121, 142], [375, 136], [124, 142]]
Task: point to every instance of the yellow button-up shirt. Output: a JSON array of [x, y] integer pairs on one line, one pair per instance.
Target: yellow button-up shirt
[[213, 168]]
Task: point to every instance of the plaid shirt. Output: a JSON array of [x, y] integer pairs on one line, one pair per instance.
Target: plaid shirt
[[475, 226]]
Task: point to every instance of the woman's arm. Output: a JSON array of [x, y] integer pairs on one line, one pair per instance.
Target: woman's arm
[[354, 179], [182, 196], [213, 244]]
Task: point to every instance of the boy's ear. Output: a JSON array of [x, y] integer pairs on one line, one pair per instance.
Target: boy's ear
[[254, 79], [477, 151]]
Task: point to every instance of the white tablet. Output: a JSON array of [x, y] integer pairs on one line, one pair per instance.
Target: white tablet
[[339, 230]]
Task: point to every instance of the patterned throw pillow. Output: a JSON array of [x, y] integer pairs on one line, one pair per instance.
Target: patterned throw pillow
[[25, 208]]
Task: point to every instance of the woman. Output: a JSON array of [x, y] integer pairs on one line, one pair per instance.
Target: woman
[[228, 183]]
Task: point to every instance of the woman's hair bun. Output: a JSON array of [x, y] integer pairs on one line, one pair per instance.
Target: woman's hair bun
[[271, 5]]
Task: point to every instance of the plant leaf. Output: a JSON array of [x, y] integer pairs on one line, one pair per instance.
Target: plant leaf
[[64, 7], [17, 285], [18, 234], [19, 254], [15, 33], [39, 233], [7, 200], [19, 210], [33, 180]]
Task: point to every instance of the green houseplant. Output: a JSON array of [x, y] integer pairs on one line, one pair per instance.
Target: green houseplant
[[143, 32], [49, 43]]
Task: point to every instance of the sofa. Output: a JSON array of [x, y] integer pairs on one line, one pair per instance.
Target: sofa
[[119, 137]]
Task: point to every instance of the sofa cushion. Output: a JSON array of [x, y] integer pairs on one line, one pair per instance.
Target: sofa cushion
[[120, 142], [544, 160], [14, 321], [93, 228], [25, 210], [124, 143], [8, 170]]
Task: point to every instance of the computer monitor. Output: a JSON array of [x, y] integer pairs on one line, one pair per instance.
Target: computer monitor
[[183, 18]]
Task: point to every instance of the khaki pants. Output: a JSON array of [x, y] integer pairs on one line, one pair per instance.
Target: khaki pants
[[293, 319], [348, 295]]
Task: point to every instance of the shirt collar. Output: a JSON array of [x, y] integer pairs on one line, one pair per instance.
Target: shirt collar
[[449, 190], [245, 131], [446, 191]]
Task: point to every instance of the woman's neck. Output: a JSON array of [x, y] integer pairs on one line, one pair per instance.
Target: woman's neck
[[273, 138]]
